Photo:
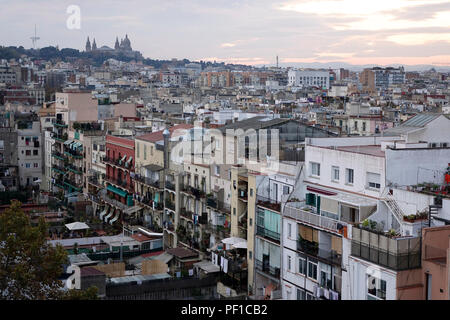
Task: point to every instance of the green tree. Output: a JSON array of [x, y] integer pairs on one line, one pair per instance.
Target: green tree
[[29, 266], [88, 294]]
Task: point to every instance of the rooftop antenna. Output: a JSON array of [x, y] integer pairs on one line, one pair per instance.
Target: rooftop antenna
[[277, 61], [35, 38]]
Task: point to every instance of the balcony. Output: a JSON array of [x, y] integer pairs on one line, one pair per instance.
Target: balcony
[[74, 169], [313, 219], [58, 169], [118, 163], [243, 195], [218, 205], [271, 235], [151, 182], [170, 205], [157, 206], [325, 255], [60, 137], [169, 185], [186, 214], [197, 193], [268, 203], [74, 154], [60, 124], [58, 155], [267, 268], [120, 183], [402, 253], [108, 199]]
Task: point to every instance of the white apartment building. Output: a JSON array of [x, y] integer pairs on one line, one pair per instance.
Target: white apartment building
[[29, 152], [309, 78], [351, 229]]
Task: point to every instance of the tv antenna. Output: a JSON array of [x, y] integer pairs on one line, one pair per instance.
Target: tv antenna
[[35, 38]]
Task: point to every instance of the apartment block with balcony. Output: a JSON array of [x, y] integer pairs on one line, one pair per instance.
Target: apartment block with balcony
[[117, 199]]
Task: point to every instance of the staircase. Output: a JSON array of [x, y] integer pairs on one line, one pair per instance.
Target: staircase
[[393, 206]]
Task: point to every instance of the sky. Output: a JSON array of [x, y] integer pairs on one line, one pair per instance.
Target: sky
[[252, 32]]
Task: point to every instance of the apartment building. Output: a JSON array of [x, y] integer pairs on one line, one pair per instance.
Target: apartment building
[[309, 78], [381, 78], [359, 216], [9, 170], [29, 146]]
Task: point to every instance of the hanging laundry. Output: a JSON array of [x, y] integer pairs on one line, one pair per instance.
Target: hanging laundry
[[225, 265]]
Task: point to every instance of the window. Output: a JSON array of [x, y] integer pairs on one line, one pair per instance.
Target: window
[[289, 263], [250, 222], [286, 189], [138, 154], [349, 176], [312, 269], [315, 169], [376, 288], [325, 276], [27, 165], [310, 296], [35, 152], [301, 294], [335, 173], [364, 126], [145, 152], [36, 165], [234, 211], [302, 265], [251, 192], [289, 230], [250, 254], [373, 180], [28, 152], [217, 170]]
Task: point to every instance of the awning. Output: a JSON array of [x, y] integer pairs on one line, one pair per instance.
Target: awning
[[77, 226], [102, 214], [115, 218], [116, 190], [130, 159], [233, 240], [240, 245], [321, 191], [68, 142], [109, 215], [123, 159], [132, 210]]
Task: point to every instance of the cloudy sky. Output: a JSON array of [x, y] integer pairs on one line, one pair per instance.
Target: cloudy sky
[[244, 31]]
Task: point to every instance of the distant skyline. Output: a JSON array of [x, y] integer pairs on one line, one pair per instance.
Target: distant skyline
[[253, 32]]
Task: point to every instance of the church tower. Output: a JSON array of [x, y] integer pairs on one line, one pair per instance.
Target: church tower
[[116, 45], [88, 45], [94, 46]]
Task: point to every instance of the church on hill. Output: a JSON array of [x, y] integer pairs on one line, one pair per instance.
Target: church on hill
[[120, 48]]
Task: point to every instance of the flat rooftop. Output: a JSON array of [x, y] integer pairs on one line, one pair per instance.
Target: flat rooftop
[[367, 150]]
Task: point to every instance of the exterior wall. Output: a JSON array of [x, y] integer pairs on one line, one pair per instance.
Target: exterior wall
[[436, 131], [251, 232], [422, 165], [146, 153], [360, 163], [34, 171], [358, 271], [81, 106]]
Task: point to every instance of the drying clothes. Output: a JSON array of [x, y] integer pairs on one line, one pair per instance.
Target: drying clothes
[[326, 294], [334, 295], [225, 265]]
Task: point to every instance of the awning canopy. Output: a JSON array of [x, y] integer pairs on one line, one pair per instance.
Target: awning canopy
[[240, 245], [116, 190], [132, 210], [233, 240], [77, 226]]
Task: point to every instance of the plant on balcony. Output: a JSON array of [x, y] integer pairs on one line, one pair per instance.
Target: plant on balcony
[[369, 225]]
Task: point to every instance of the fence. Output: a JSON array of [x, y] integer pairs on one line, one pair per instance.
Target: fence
[[392, 253]]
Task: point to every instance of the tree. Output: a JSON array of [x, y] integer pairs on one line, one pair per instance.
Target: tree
[[88, 294], [29, 266]]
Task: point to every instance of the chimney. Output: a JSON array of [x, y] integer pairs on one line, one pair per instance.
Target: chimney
[[166, 135]]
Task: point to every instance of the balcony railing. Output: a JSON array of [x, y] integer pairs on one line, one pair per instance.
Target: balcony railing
[[186, 213], [74, 169], [393, 253], [218, 205], [197, 193], [269, 203], [169, 185], [118, 163], [74, 154], [60, 123], [312, 249], [263, 232], [152, 182], [267, 268], [105, 197], [313, 219], [170, 205]]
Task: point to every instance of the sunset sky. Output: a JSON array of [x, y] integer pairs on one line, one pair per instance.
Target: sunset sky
[[245, 31]]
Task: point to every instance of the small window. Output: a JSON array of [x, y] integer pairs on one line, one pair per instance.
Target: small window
[[286, 190], [289, 263], [335, 173], [315, 169], [312, 269], [302, 265], [349, 176]]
